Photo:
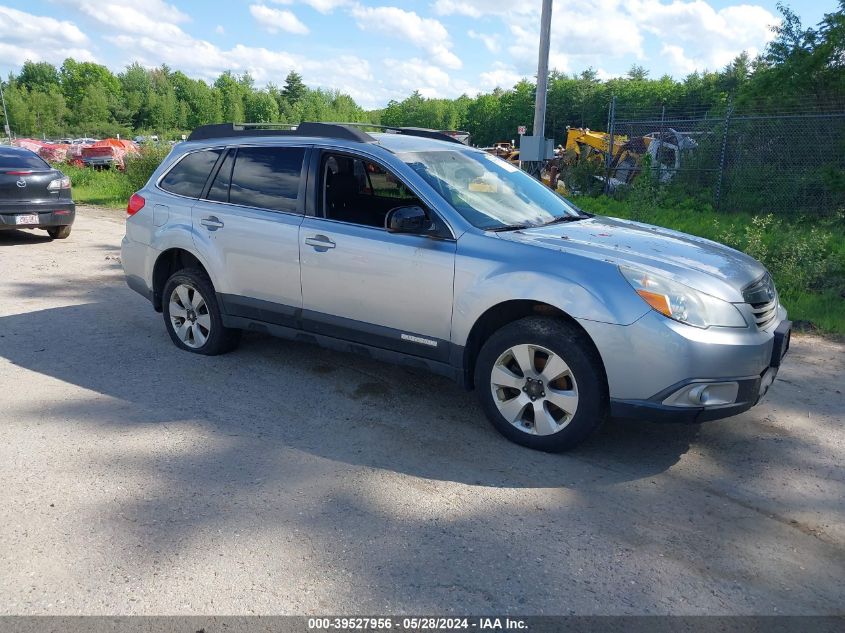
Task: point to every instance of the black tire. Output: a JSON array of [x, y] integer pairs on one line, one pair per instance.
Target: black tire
[[59, 232], [573, 347], [220, 339]]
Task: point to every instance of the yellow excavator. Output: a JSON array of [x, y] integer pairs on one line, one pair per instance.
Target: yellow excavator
[[623, 161]]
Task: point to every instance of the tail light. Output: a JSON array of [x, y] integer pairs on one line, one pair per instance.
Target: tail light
[[20, 172], [59, 183], [136, 203]]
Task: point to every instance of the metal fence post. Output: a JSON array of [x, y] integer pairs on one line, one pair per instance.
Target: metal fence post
[[728, 114], [611, 118]]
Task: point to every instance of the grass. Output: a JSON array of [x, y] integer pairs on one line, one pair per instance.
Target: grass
[[111, 187], [106, 187]]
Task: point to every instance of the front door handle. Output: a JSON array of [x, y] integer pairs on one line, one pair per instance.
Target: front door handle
[[211, 223], [320, 242]]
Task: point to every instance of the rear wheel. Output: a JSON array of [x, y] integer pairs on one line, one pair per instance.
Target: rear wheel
[[192, 316], [59, 232], [541, 384]]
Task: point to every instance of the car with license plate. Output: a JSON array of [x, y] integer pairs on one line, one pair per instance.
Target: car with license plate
[[34, 195], [408, 246]]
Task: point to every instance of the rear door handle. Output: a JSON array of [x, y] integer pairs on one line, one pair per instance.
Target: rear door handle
[[211, 223], [320, 242]]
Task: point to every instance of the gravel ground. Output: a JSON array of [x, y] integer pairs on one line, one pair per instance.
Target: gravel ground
[[138, 479]]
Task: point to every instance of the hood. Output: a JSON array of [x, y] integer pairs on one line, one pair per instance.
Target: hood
[[702, 264]]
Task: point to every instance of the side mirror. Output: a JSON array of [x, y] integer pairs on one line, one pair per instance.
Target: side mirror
[[412, 219]]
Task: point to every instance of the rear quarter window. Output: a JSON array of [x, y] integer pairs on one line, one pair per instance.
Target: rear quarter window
[[188, 176], [267, 177]]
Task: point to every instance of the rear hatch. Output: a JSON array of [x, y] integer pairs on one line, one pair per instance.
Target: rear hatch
[[28, 185]]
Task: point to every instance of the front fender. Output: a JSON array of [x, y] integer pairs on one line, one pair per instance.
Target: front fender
[[583, 288]]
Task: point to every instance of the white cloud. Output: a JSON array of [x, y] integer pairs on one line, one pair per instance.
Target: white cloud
[[24, 36], [500, 76], [686, 34], [677, 59], [695, 36], [148, 17], [126, 14], [491, 42], [479, 8], [274, 20], [426, 33], [323, 6], [584, 33], [431, 81], [220, 30]]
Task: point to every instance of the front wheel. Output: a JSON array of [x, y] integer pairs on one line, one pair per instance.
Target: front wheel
[[192, 316], [541, 384]]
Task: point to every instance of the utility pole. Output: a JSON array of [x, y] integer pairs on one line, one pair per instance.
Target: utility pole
[[5, 114], [543, 70], [533, 150]]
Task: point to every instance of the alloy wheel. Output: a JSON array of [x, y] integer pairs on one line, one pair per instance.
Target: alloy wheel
[[189, 316], [534, 389]]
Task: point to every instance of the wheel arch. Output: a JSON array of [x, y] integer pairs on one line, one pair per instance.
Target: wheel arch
[[506, 312], [169, 262]]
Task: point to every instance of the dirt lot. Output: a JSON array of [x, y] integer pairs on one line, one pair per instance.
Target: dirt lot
[[286, 479]]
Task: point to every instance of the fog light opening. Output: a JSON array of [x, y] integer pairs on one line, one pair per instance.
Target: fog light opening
[[711, 394]]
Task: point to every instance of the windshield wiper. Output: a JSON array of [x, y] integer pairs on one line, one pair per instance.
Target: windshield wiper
[[508, 227], [566, 218]]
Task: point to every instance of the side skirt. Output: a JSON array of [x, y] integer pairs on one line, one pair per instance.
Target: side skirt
[[342, 345]]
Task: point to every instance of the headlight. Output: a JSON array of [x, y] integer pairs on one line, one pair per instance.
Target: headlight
[[681, 302]]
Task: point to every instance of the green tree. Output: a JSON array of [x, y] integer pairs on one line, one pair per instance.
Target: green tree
[[92, 112], [261, 107], [231, 98], [294, 89], [38, 76], [78, 77], [637, 73]]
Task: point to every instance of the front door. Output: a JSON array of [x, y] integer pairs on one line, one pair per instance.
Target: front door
[[365, 284]]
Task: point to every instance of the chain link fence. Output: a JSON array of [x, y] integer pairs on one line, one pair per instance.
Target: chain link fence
[[784, 161]]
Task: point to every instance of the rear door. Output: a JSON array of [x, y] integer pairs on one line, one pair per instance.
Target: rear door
[[248, 222]]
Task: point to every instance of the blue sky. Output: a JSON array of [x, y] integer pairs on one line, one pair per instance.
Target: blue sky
[[377, 50]]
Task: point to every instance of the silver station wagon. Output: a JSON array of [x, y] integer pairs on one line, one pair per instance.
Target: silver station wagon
[[408, 246]]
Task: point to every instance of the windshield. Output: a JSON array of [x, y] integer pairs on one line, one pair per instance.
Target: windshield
[[489, 192]]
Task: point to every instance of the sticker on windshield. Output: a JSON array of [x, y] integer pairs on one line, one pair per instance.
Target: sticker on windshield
[[502, 163]]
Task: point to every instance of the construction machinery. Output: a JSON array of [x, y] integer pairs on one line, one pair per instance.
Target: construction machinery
[[506, 150], [617, 159]]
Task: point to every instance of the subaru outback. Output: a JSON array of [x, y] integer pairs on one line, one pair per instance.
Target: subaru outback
[[411, 247]]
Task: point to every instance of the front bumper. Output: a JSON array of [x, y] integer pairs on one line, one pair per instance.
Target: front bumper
[[645, 360], [50, 213]]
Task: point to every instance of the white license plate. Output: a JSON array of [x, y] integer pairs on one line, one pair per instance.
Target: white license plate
[[27, 219]]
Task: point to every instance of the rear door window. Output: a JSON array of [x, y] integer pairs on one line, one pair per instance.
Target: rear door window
[[267, 177], [188, 176]]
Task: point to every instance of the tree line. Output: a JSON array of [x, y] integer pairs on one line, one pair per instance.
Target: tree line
[[801, 67]]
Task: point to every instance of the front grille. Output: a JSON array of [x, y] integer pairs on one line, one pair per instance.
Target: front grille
[[763, 299]]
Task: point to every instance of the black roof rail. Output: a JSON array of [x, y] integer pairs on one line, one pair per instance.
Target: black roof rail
[[410, 131], [239, 130]]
